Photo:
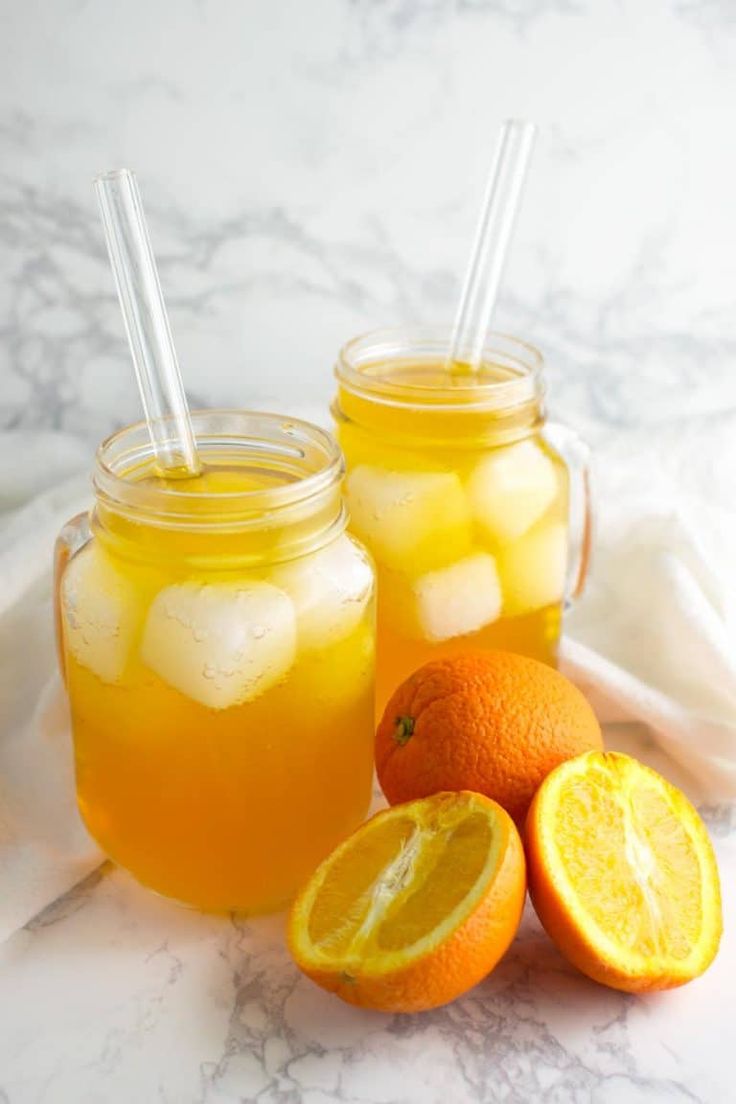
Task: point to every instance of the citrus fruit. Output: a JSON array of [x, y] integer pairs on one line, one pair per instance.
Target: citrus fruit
[[493, 722], [414, 908], [622, 873]]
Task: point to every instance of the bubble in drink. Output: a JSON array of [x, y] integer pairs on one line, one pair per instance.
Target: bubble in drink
[[409, 520], [533, 569], [510, 489], [221, 645], [452, 601], [330, 590], [102, 614]]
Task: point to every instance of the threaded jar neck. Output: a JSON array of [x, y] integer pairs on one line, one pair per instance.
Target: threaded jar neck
[[282, 494], [396, 382]]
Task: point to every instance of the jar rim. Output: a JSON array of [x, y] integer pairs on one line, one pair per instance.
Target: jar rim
[[306, 450], [470, 393]]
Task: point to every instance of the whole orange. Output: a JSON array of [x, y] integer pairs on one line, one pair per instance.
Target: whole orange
[[493, 722]]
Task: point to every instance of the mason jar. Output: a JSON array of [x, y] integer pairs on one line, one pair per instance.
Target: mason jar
[[217, 643], [475, 511]]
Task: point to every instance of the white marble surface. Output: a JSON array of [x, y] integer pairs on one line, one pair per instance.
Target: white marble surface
[[312, 170], [113, 995]]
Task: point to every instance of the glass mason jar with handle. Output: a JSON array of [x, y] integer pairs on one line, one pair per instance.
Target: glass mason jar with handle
[[476, 513], [217, 643]]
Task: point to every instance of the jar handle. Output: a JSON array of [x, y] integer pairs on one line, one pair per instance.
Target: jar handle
[[576, 454], [73, 536]]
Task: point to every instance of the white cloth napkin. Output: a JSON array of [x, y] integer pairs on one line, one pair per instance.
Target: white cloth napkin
[[654, 637], [44, 849], [653, 640]]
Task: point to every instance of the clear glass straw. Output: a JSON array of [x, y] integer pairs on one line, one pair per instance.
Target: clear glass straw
[[490, 249], [147, 323]]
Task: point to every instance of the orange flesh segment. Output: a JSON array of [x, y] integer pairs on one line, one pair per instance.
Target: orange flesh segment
[[452, 862], [353, 881], [631, 858], [404, 884]]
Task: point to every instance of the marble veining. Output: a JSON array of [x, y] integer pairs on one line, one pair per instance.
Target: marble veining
[[311, 171], [325, 167], [118, 995]]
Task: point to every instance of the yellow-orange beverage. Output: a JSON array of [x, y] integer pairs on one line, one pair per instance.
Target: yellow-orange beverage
[[218, 646], [458, 495]]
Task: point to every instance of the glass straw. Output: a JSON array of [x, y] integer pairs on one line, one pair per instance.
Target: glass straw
[[490, 248], [146, 323]]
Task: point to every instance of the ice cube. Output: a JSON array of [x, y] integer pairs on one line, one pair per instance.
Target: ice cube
[[101, 613], [449, 602], [409, 520], [220, 644], [510, 489], [533, 569], [330, 590]]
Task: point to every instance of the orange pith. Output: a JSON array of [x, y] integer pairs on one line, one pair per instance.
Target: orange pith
[[493, 722], [415, 907], [622, 873]]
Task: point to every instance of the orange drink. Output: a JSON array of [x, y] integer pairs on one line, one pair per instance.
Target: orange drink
[[218, 648], [462, 500]]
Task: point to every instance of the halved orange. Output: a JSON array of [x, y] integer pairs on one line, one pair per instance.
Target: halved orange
[[622, 873], [414, 908]]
